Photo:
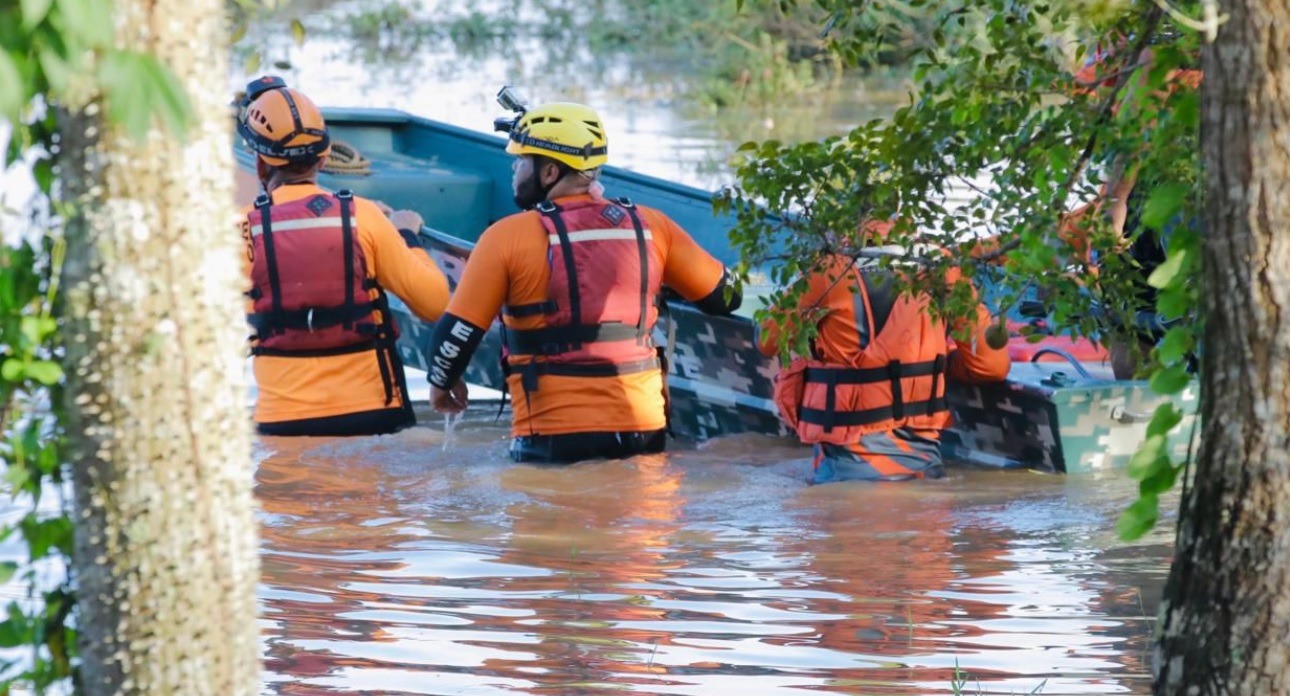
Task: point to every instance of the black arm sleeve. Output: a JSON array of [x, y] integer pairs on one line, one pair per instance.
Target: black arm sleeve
[[410, 238], [715, 302], [451, 346]]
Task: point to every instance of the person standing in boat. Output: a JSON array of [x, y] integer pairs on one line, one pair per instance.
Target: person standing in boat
[[870, 397], [576, 278], [320, 264]]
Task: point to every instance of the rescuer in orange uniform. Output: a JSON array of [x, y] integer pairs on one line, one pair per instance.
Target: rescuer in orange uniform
[[319, 265], [871, 396], [576, 278]]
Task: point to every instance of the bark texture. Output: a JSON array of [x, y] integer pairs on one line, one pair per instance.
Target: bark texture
[[1226, 609], [166, 545]]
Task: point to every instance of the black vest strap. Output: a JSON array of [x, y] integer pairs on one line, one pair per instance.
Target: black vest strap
[[319, 353], [644, 260], [831, 419], [552, 213], [535, 309], [892, 372], [265, 204], [312, 319], [347, 240], [561, 339]]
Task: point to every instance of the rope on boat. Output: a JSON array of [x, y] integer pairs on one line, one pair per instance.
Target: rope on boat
[[346, 159]]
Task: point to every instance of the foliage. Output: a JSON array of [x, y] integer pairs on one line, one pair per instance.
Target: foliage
[[58, 56], [999, 147]]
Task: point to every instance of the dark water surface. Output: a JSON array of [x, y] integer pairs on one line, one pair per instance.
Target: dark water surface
[[392, 566]]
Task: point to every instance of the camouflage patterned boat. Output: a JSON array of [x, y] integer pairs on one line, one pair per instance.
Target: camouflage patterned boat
[[1054, 414]]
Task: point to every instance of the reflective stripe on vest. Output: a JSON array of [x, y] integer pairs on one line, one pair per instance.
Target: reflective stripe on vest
[[325, 223]]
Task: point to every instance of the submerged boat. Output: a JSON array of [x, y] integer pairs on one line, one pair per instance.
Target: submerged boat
[[1060, 410]]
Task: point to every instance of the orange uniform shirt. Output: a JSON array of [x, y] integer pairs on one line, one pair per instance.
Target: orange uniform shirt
[[509, 265], [303, 388]]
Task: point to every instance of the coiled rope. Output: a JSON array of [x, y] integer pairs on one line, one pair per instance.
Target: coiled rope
[[346, 159]]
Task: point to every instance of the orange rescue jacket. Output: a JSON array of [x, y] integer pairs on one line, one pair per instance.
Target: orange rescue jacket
[[605, 276], [309, 280], [895, 379]]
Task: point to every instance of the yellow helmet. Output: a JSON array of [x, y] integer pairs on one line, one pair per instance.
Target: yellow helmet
[[564, 131]]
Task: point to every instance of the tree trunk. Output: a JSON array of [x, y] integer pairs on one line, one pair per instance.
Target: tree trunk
[[166, 558], [1226, 609]]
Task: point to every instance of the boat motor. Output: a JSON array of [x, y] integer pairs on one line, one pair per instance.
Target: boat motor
[[510, 100]]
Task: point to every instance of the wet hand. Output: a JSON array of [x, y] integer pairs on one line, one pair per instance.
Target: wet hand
[[407, 220], [452, 400]]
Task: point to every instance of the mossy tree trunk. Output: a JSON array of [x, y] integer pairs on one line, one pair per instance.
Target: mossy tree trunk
[[1226, 611], [166, 546]]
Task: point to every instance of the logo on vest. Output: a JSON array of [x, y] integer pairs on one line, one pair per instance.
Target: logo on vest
[[613, 214], [319, 205]]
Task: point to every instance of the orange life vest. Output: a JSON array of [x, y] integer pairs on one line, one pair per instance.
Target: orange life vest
[[896, 379], [311, 293], [600, 308]]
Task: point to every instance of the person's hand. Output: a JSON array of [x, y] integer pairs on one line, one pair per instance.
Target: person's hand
[[407, 220], [451, 400]]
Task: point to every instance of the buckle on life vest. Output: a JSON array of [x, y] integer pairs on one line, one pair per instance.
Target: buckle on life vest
[[545, 207], [309, 320]]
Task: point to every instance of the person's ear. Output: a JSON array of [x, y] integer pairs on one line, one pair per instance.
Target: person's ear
[[550, 174]]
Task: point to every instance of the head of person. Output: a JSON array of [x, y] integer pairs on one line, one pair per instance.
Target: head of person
[[554, 143], [285, 129]]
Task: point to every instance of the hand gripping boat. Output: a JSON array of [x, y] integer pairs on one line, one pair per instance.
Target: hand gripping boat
[[1060, 409]]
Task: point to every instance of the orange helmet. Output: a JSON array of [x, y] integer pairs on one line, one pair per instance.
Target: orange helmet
[[283, 126]]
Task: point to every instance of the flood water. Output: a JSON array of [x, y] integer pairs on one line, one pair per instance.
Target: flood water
[[392, 566], [395, 566]]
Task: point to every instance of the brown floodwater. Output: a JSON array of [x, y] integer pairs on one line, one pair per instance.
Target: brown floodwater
[[392, 565]]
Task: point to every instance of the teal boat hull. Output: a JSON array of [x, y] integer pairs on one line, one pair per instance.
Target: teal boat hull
[[1046, 416]]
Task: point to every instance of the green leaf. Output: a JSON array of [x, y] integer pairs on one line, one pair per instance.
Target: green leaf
[[12, 370], [87, 22], [1163, 203], [54, 533], [34, 12], [1170, 380], [1139, 517], [239, 31], [1162, 479], [7, 571], [171, 101], [1176, 344], [1166, 418], [1173, 301], [298, 32], [1171, 270], [252, 64], [13, 92], [1145, 461], [44, 371], [123, 77], [57, 70]]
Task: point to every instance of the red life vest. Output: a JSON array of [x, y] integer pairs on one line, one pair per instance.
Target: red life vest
[[600, 308], [897, 379], [311, 293]]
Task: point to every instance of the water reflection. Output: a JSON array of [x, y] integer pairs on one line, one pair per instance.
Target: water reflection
[[446, 59], [391, 566]]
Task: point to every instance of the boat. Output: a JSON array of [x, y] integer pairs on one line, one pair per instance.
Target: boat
[[1060, 409]]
